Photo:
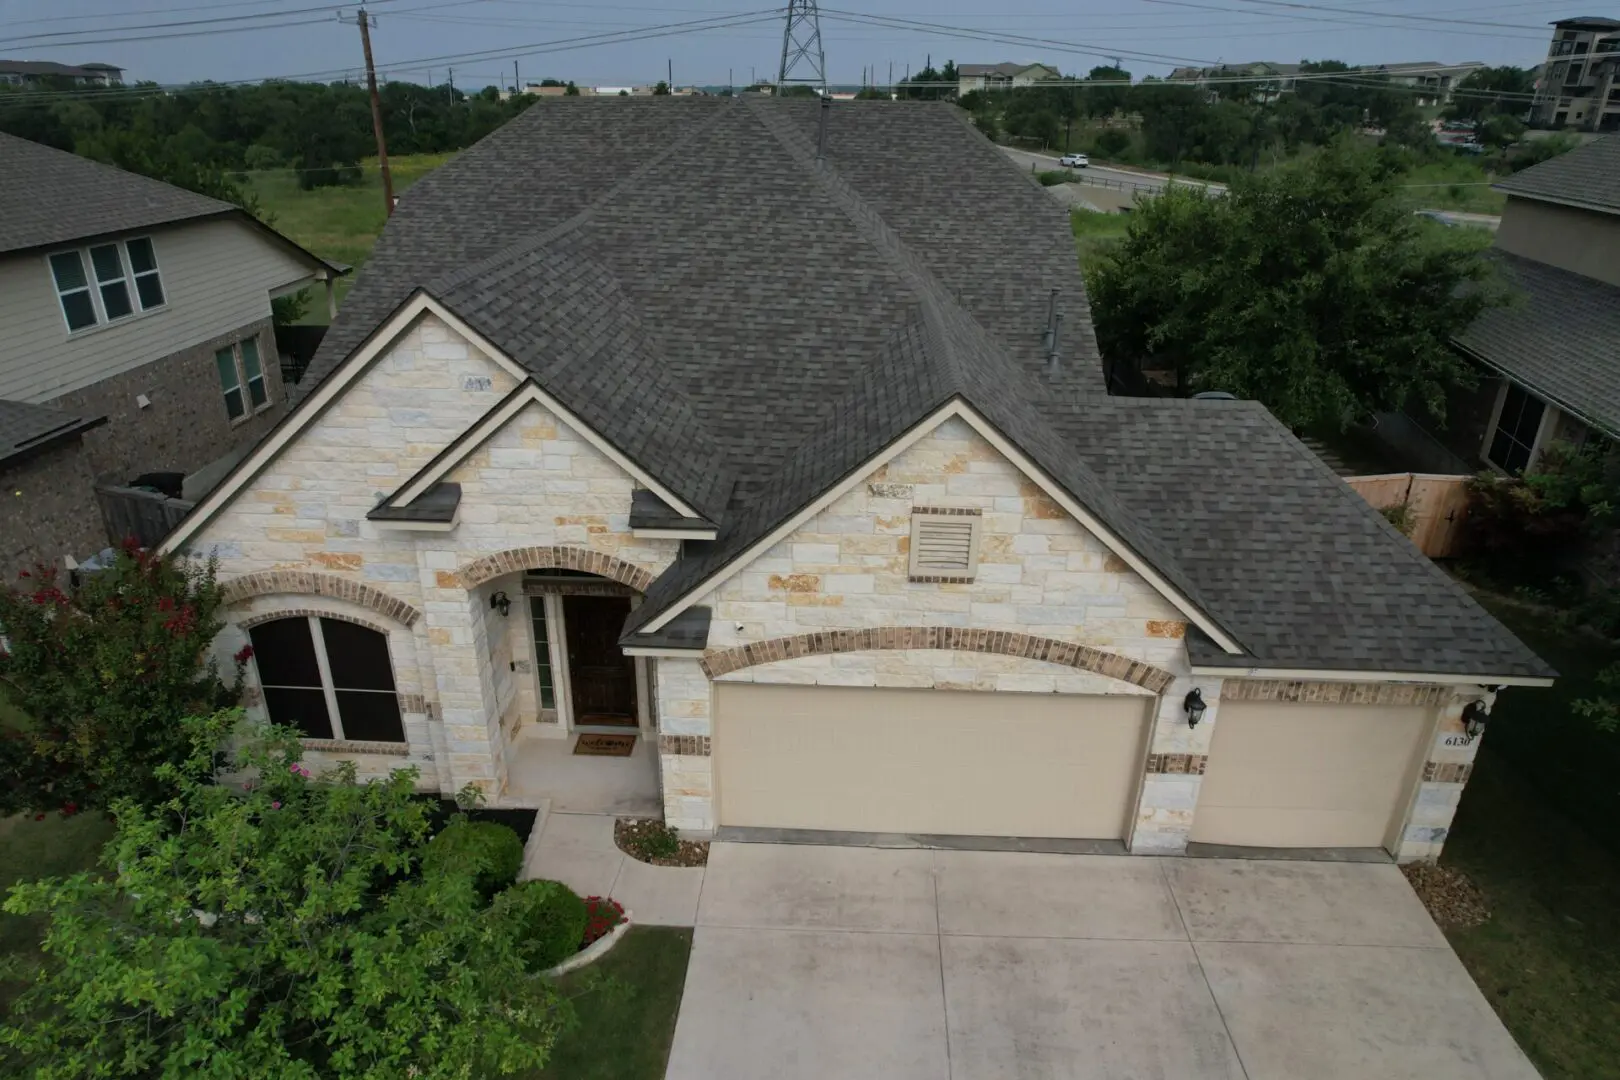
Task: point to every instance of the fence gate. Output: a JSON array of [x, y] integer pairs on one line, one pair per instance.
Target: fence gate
[[1437, 504]]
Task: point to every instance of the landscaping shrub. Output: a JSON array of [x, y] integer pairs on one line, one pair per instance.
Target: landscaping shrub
[[652, 840], [553, 918], [1111, 142], [492, 853], [1053, 177]]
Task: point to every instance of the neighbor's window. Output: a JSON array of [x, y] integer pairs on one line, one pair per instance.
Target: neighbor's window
[[542, 652], [328, 678], [241, 378], [1516, 427], [104, 293]]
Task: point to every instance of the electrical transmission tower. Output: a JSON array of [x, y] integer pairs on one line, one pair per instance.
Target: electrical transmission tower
[[803, 63]]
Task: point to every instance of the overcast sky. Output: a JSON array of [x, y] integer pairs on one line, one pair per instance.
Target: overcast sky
[[419, 39]]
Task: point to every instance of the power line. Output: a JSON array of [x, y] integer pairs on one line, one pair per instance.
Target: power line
[[1395, 15], [1336, 22], [183, 22]]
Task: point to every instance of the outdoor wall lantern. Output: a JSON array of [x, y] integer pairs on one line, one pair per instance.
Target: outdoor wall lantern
[[1474, 715], [501, 603], [1194, 704]]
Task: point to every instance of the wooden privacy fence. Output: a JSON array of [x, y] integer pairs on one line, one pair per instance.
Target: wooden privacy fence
[[1436, 506], [146, 515]]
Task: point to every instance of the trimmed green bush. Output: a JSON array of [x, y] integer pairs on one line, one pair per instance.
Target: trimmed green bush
[[553, 917], [491, 851]]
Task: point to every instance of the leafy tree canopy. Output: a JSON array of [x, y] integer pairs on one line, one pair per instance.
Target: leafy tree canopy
[[1309, 288]]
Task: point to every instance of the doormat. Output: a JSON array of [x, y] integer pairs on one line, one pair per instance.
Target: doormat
[[605, 745]]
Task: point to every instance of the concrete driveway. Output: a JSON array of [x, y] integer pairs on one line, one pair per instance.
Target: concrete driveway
[[837, 963]]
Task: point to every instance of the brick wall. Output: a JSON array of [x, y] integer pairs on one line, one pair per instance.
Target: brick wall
[[49, 510], [185, 427]]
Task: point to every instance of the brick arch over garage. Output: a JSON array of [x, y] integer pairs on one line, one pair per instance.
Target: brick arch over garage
[[310, 583], [1007, 643], [560, 557]]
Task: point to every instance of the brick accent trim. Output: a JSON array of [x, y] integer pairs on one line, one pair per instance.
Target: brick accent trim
[[1447, 772], [949, 511], [941, 579], [310, 583], [1008, 643], [516, 560], [349, 746], [684, 745], [1178, 764], [1334, 693], [263, 617]]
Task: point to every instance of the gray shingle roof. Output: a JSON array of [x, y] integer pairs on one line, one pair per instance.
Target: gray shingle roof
[[1296, 565], [752, 327], [49, 196], [1561, 339], [26, 428], [1587, 176]]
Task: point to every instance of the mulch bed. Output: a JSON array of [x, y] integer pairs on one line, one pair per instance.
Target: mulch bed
[[1452, 899], [688, 853]]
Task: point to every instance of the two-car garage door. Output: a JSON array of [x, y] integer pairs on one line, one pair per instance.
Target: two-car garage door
[[927, 761]]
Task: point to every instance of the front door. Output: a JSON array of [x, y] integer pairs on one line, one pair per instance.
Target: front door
[[601, 678]]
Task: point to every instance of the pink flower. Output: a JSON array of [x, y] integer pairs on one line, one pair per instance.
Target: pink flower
[[276, 805], [298, 768]]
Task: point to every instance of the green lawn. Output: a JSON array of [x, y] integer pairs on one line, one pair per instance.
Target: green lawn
[[625, 1031], [32, 849], [1548, 960], [1455, 184], [338, 223], [1093, 231]]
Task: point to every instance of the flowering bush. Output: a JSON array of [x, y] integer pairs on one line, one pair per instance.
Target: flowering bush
[[602, 913], [105, 668]]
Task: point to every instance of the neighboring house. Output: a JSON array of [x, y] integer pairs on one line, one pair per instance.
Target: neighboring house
[[31, 72], [747, 435], [1271, 80], [1555, 351], [1003, 76], [1578, 85], [1431, 81], [133, 302]]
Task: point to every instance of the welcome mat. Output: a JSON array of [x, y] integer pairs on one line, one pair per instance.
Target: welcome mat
[[605, 745]]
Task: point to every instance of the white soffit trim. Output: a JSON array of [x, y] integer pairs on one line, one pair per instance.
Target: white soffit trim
[[675, 534], [662, 650], [470, 440], [1319, 675], [959, 409]]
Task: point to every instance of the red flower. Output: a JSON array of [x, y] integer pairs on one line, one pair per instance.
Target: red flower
[[244, 654], [39, 817], [23, 574], [165, 603], [131, 544]]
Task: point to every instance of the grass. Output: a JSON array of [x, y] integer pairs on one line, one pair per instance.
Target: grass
[[338, 223], [1094, 231], [1456, 184], [625, 1032], [1548, 960], [30, 850]]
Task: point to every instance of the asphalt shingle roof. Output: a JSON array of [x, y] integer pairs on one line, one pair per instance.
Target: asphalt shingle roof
[[1560, 338], [25, 428], [1587, 176], [751, 326], [49, 196]]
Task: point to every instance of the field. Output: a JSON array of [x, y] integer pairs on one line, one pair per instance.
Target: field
[[338, 223]]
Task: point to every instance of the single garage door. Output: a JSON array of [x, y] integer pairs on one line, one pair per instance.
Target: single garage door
[[927, 761], [1302, 776]]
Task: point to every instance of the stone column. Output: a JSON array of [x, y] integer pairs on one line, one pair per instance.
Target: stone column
[[1174, 770], [1445, 771], [454, 626], [683, 695]]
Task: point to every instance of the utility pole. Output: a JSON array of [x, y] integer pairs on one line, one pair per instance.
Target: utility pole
[[670, 82], [452, 85], [891, 78], [365, 21], [517, 87]]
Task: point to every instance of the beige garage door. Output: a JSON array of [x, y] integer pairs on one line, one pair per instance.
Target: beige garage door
[[1285, 775], [927, 761]]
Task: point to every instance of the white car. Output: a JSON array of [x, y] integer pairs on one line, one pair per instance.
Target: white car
[[1074, 161]]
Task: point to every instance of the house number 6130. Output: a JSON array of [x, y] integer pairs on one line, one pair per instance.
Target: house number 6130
[[1458, 740]]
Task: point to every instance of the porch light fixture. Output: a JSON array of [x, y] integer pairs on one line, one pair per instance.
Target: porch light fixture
[[1194, 704], [1474, 715], [501, 603]]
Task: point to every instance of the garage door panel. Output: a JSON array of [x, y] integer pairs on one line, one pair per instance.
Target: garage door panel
[[1292, 775], [926, 761]]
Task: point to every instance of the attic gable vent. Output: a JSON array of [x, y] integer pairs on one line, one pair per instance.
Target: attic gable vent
[[944, 543]]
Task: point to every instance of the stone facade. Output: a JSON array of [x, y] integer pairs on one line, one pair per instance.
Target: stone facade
[[185, 426], [1050, 609], [51, 510]]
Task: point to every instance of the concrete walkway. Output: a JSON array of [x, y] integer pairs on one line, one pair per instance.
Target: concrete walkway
[[821, 962], [578, 850]]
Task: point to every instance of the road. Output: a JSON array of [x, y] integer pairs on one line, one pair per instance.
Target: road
[[1105, 176]]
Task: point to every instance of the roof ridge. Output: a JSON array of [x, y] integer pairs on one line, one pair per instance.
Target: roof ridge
[[534, 241]]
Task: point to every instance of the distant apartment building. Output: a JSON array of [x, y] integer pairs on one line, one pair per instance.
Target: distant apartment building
[[1004, 76], [31, 72], [1431, 81], [1269, 81], [1579, 85]]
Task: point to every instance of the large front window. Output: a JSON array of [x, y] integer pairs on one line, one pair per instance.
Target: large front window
[[328, 678], [1515, 440]]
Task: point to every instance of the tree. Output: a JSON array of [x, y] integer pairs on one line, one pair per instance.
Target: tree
[[104, 669], [1310, 288], [571, 90], [662, 89], [1492, 91], [1108, 91], [284, 931]]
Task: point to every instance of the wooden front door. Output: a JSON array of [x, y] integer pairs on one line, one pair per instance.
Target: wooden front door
[[601, 677]]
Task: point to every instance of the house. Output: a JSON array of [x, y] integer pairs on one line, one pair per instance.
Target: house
[[1269, 80], [1554, 354], [1431, 82], [137, 339], [34, 72], [1577, 83], [1004, 76], [753, 439]]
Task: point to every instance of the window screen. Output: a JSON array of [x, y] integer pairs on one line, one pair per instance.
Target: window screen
[[1516, 428], [329, 678], [73, 290]]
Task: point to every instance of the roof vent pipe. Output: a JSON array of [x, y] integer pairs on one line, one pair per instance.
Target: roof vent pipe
[[1052, 346], [1048, 335], [821, 130]]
